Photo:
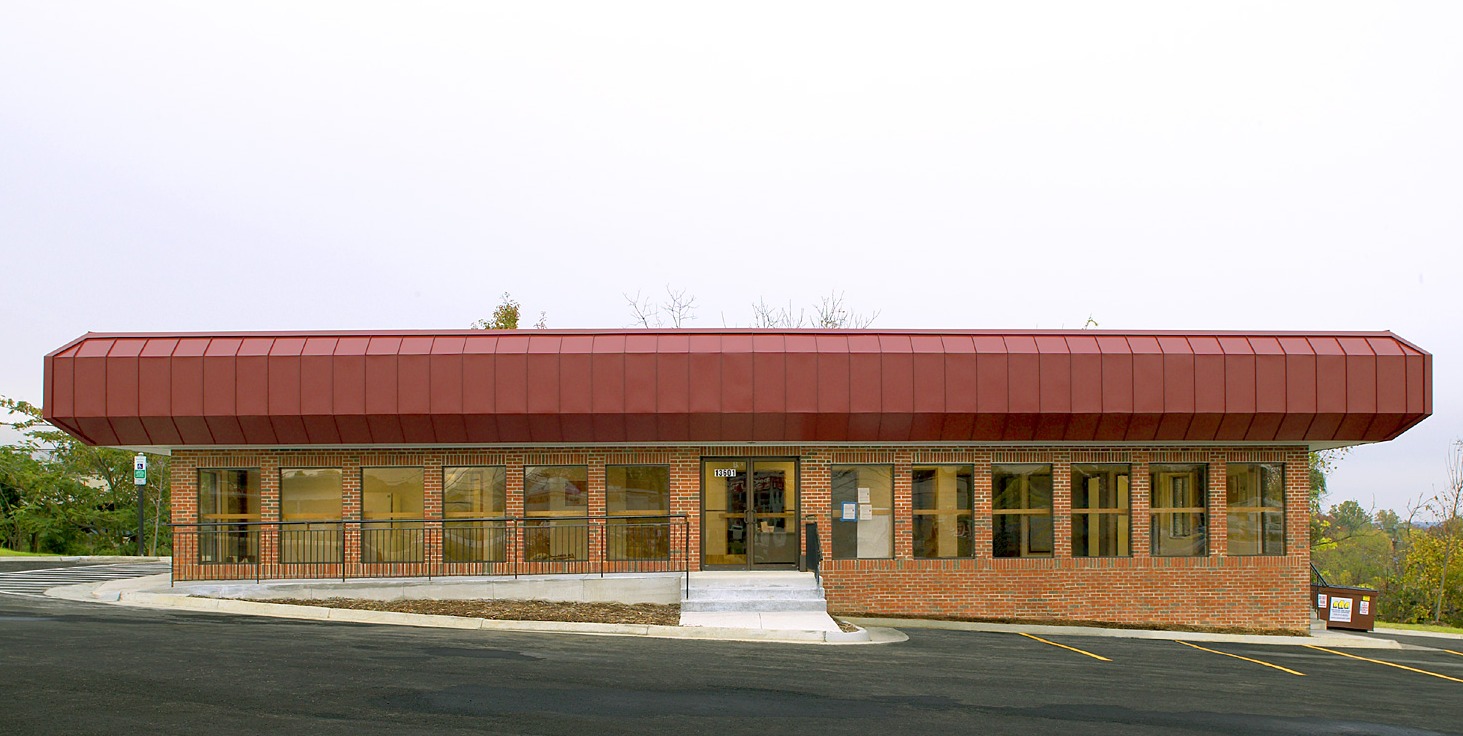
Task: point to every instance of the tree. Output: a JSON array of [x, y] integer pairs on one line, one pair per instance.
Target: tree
[[1322, 463], [58, 494], [1349, 519], [830, 312], [1447, 534], [506, 316], [677, 309]]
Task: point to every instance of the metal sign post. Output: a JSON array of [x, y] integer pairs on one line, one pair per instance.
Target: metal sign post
[[139, 478]]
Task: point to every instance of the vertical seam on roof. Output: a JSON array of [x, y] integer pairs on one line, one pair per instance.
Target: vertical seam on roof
[[1072, 388], [138, 393], [427, 357], [461, 400]]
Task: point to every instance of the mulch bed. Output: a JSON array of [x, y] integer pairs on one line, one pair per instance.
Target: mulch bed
[[593, 613]]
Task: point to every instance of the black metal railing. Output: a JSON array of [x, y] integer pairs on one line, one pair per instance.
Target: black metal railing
[[1316, 577], [259, 550]]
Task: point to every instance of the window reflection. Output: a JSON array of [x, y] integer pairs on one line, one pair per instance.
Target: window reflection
[[943, 496]]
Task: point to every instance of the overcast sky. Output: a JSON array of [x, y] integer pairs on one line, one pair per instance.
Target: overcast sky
[[1253, 166]]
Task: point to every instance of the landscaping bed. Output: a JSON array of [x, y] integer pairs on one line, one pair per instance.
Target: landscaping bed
[[594, 613]]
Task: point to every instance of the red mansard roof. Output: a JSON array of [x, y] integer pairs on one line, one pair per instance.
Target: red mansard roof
[[571, 386]]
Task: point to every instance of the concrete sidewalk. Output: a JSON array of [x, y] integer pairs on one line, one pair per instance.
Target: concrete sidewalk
[[154, 592]]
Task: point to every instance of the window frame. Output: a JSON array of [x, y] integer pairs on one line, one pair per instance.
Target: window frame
[[659, 531], [240, 532], [1179, 519], [1124, 509], [1025, 511], [491, 544], [316, 539], [397, 531], [540, 524], [965, 530], [1259, 512], [835, 512]]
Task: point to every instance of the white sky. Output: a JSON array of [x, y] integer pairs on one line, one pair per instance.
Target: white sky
[[217, 166]]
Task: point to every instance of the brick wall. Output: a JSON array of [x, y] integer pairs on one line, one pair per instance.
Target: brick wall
[[1217, 590]]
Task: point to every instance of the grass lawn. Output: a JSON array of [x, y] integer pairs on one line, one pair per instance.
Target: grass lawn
[[1422, 627], [12, 553]]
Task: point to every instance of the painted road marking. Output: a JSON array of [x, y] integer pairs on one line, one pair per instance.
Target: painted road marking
[[1449, 651], [1378, 661], [1247, 659], [34, 583], [1064, 646]]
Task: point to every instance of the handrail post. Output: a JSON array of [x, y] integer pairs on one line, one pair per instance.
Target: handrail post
[[813, 552]]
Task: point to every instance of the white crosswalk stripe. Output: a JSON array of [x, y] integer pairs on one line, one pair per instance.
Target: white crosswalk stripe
[[34, 583]]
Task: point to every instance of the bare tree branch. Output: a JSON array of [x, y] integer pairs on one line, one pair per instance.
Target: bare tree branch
[[1445, 506], [678, 307], [831, 312], [765, 315], [643, 310]]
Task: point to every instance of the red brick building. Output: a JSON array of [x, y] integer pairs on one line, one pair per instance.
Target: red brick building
[[1133, 477]]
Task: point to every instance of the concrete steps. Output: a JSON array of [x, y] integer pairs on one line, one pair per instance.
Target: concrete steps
[[754, 592]]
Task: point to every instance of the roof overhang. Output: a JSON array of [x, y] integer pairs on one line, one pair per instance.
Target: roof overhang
[[465, 388]]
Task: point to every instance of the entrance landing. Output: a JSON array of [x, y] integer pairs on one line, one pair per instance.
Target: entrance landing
[[756, 600]]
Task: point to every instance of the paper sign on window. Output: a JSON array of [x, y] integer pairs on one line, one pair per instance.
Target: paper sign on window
[[850, 512]]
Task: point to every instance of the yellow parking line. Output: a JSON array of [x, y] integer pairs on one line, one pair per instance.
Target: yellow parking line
[[1064, 646], [1378, 661], [1449, 651], [1247, 659]]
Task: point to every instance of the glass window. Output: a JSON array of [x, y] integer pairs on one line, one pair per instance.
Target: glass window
[[556, 501], [1256, 508], [640, 495], [1100, 515], [391, 506], [1179, 510], [224, 496], [1021, 502], [863, 511], [309, 495], [943, 496], [479, 494]]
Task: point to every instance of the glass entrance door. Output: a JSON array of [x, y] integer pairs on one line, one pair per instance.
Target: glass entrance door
[[749, 513]]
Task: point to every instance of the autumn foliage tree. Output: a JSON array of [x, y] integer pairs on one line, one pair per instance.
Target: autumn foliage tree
[[1415, 561]]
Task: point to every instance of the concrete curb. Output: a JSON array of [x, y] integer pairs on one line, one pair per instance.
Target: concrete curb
[[134, 592], [1329, 639]]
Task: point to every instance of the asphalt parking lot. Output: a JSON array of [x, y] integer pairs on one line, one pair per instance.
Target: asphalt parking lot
[[79, 668]]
